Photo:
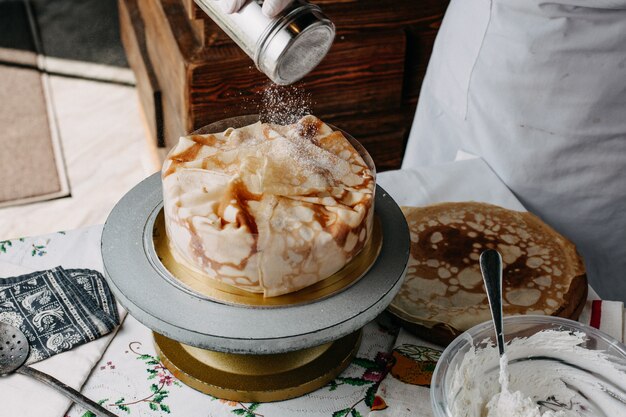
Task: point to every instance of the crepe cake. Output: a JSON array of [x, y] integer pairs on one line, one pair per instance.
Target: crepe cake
[[443, 293], [268, 208]]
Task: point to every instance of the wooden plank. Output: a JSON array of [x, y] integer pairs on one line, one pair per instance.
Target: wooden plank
[[134, 41], [192, 10], [171, 41], [206, 31], [420, 19], [360, 83], [196, 21], [214, 35], [173, 123], [376, 14], [362, 72], [323, 2], [383, 134], [164, 43], [367, 14], [360, 124], [199, 31], [386, 149], [195, 12]]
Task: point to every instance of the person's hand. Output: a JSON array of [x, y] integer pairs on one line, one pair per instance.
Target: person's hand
[[232, 6], [270, 7]]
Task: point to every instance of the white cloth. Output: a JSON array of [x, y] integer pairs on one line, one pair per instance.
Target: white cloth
[[406, 400], [130, 380], [538, 90], [462, 180], [19, 394], [469, 178]]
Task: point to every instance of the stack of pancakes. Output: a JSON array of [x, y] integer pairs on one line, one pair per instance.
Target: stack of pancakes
[[268, 208], [443, 294]]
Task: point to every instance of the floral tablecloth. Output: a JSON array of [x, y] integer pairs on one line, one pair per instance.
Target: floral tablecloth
[[130, 380], [388, 378]]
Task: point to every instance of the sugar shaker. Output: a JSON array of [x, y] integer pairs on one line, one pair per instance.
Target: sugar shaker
[[286, 47]]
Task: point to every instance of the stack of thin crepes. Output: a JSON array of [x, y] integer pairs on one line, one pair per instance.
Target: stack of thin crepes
[[443, 294], [268, 208]]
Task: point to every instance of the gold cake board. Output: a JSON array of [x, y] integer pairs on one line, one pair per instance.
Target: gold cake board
[[202, 284], [248, 324], [257, 378], [267, 377]]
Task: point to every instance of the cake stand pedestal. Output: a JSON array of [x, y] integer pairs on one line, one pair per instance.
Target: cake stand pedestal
[[242, 347], [257, 378]]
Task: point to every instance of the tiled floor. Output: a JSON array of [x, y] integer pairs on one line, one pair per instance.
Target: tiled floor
[[105, 148], [80, 30], [106, 154]]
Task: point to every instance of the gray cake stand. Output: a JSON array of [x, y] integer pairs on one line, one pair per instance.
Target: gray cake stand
[[145, 288]]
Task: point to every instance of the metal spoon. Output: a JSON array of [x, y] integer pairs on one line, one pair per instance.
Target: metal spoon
[[491, 268], [14, 349]]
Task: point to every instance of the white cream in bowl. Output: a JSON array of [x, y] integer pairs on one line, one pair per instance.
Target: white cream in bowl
[[551, 373]]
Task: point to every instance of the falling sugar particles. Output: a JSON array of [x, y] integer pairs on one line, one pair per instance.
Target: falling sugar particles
[[284, 104]]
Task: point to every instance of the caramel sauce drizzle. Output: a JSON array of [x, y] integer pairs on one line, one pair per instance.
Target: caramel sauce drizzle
[[187, 155], [308, 129], [239, 196], [205, 140]]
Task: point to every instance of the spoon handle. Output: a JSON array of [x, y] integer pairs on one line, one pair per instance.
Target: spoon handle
[[491, 268], [69, 392]]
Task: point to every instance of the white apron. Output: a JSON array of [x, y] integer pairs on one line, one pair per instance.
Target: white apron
[[538, 90]]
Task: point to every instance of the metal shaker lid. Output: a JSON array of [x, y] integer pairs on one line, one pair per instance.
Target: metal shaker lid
[[295, 44]]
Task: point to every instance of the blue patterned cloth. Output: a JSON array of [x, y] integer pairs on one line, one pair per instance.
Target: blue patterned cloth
[[58, 309]]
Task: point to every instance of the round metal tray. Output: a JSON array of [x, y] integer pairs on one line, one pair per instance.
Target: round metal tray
[[257, 378], [143, 287], [202, 285]]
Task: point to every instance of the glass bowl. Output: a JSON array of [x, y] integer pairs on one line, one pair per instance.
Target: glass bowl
[[443, 392]]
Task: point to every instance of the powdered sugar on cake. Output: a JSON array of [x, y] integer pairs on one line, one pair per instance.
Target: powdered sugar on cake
[[268, 208]]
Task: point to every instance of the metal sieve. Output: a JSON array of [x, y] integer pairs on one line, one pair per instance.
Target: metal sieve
[[285, 48]]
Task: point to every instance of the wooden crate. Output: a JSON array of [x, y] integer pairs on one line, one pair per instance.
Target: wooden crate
[[368, 83], [134, 41]]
